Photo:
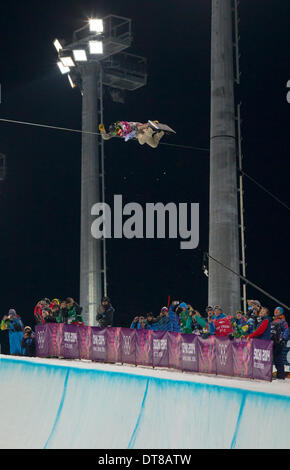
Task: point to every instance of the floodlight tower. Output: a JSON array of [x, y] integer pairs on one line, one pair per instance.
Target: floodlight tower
[[224, 285], [93, 59]]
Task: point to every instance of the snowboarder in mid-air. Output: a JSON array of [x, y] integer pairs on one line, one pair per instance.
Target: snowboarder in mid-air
[[149, 133]]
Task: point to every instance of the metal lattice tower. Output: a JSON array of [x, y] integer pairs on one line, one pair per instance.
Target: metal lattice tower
[[118, 70]]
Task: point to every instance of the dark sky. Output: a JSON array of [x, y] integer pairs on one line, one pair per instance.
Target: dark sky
[[40, 200]]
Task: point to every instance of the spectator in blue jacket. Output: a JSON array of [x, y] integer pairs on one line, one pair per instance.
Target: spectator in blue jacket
[[15, 332], [28, 342], [279, 335]]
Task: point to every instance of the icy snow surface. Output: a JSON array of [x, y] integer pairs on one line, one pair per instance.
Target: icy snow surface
[[51, 403]]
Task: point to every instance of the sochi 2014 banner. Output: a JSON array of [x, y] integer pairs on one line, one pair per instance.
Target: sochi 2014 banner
[[185, 352]]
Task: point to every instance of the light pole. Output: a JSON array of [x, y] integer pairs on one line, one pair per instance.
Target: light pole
[[93, 59], [224, 286]]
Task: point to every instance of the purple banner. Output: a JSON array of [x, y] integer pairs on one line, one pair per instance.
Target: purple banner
[[70, 345], [128, 346], [144, 353], [42, 341], [214, 355], [206, 355], [242, 358], [99, 344], [224, 356], [174, 349], [262, 359], [85, 338], [114, 344], [189, 353], [160, 348]]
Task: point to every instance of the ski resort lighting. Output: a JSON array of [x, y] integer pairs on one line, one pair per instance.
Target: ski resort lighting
[[96, 25], [63, 68], [80, 55], [57, 45], [67, 61], [96, 47]]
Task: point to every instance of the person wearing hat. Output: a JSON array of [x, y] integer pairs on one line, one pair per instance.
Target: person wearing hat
[[279, 336], [28, 342], [239, 324], [105, 313], [15, 327]]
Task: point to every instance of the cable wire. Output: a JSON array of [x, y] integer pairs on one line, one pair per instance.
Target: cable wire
[[188, 147], [248, 282]]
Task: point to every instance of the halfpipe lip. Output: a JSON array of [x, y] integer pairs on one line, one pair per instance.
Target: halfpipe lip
[[235, 383]]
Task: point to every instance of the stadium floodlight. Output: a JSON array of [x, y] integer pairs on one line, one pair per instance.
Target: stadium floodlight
[[96, 47], [67, 60], [96, 25], [80, 55], [63, 68], [57, 45]]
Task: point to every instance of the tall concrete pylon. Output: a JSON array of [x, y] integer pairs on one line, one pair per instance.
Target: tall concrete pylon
[[224, 286]]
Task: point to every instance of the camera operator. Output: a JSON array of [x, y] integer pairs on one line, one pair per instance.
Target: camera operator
[[28, 342]]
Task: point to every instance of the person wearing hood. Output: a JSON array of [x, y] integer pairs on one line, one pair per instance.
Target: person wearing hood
[[105, 313], [15, 326], [28, 342], [279, 336]]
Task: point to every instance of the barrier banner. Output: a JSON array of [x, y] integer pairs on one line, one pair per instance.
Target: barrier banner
[[189, 353], [128, 346], [70, 345], [174, 348], [144, 353], [99, 344], [160, 348], [242, 358], [224, 356], [262, 359], [206, 355], [114, 344], [85, 337], [55, 330], [42, 341]]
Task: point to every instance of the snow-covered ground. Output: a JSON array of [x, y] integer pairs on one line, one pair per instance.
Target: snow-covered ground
[[52, 403], [281, 387]]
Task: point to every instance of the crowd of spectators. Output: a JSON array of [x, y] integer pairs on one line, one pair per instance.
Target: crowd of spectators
[[180, 317], [256, 323], [68, 311]]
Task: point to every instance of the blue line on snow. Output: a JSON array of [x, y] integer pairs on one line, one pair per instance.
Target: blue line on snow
[[233, 444], [59, 409], [133, 437]]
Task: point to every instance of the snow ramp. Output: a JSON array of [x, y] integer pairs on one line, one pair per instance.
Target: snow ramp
[[50, 404]]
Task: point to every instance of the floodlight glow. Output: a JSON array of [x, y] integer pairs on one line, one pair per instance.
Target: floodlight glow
[[96, 47], [96, 25], [72, 84], [62, 68], [57, 45], [67, 61], [80, 55]]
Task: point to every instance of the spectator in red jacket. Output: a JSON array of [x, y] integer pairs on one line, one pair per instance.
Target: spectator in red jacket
[[264, 329]]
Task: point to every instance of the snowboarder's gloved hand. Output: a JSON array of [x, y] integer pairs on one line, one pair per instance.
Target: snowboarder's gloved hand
[[102, 128]]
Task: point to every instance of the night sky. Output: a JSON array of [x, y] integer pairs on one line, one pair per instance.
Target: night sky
[[40, 199]]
